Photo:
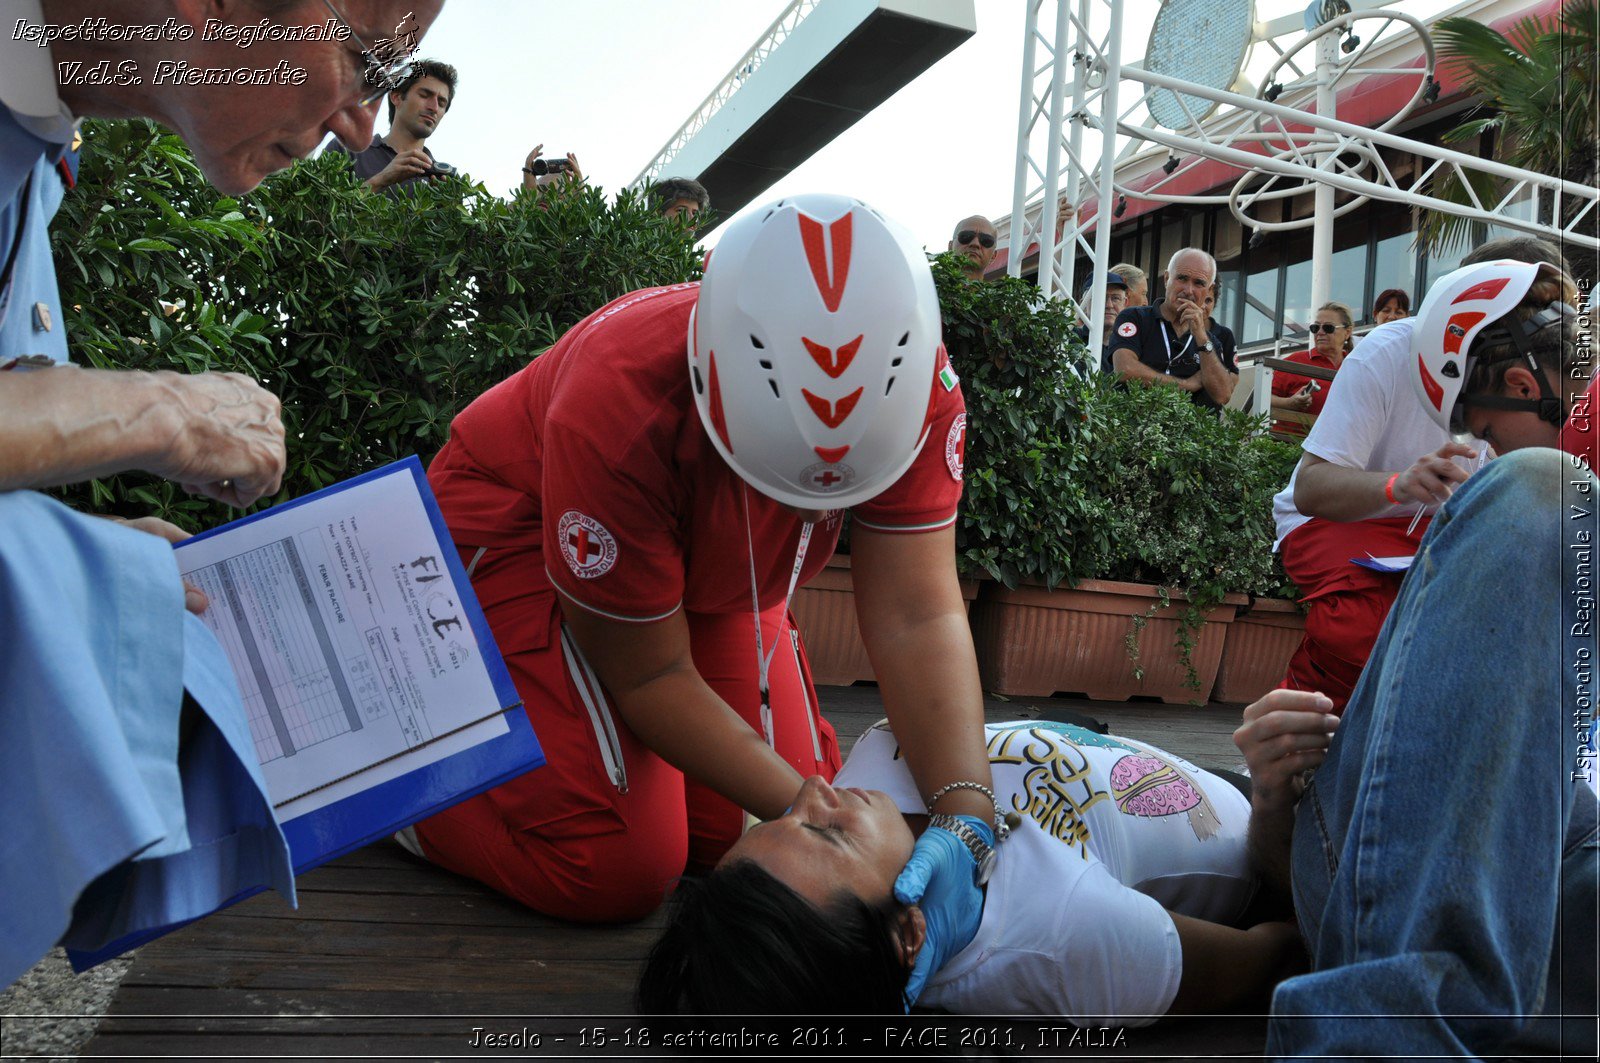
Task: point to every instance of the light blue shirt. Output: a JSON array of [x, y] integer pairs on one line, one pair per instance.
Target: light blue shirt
[[31, 322], [124, 806]]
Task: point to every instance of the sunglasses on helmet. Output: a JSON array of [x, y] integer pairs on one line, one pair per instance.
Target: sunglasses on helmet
[[966, 236]]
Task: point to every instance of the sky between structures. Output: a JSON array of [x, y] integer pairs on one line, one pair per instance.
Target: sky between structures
[[613, 80]]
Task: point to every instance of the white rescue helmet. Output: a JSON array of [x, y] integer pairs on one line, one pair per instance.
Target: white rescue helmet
[[814, 346], [1456, 311]]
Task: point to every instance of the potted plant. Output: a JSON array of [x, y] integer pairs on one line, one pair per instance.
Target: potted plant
[[825, 612], [1149, 509]]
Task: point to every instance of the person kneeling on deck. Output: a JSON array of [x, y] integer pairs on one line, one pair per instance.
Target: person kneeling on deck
[[1372, 462], [1115, 899], [1445, 876], [636, 508]]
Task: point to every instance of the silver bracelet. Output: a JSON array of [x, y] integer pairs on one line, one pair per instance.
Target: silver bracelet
[[1003, 821]]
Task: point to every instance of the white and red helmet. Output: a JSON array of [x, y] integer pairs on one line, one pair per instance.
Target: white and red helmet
[[1458, 308], [813, 350]]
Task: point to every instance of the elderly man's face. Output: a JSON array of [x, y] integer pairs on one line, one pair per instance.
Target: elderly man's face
[[1190, 280], [968, 241], [241, 133], [1116, 303]]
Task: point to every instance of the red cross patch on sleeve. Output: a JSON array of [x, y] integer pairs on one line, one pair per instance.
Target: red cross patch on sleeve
[[589, 549]]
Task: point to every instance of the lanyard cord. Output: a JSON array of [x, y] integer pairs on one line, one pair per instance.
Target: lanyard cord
[[764, 656], [1187, 339]]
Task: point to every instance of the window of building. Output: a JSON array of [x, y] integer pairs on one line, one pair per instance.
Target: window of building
[[1260, 305], [1394, 266]]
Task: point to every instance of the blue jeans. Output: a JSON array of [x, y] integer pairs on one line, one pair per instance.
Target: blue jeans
[[1445, 856]]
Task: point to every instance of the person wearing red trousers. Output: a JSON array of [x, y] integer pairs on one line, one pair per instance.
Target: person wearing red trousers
[[1372, 460], [636, 508]]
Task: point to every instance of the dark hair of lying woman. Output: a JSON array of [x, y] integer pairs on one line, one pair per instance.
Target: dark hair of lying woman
[[740, 942]]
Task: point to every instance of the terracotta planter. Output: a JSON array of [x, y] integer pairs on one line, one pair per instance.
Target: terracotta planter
[[825, 611], [1033, 642], [1260, 643]]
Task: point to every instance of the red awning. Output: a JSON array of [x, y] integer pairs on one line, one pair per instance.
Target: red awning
[[1367, 102]]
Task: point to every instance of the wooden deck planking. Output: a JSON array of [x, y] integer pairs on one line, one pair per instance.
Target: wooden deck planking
[[380, 933]]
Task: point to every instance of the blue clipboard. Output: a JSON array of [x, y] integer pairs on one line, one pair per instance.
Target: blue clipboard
[[375, 813]]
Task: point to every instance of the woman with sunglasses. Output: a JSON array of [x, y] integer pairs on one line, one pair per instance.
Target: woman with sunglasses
[[1330, 342]]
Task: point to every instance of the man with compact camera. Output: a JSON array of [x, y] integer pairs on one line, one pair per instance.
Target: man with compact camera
[[401, 156]]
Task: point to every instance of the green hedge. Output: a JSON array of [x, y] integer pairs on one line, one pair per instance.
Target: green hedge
[[374, 318], [377, 318], [1070, 477]]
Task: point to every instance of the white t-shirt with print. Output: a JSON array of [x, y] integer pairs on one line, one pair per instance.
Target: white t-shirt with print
[[1373, 419], [1114, 831]]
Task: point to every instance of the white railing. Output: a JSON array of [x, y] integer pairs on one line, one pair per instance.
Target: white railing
[[776, 34]]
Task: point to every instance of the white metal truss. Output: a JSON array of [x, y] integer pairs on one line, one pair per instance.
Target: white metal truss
[[765, 45], [1070, 120]]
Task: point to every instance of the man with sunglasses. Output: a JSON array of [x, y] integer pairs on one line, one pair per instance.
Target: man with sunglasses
[[974, 240], [118, 713], [1116, 303]]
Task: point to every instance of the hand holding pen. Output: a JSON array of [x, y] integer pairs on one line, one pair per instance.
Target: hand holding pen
[[1433, 478]]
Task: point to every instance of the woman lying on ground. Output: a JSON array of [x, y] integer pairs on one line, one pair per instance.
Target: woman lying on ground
[[1115, 897]]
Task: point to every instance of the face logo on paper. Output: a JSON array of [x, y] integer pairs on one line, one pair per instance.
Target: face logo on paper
[[1126, 329], [590, 550], [955, 447]]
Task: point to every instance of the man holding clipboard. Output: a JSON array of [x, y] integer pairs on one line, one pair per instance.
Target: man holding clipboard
[[118, 714]]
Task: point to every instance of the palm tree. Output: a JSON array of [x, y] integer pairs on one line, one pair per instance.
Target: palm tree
[[1539, 84]]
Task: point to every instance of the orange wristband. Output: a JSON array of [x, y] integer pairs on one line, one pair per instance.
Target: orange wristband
[[1388, 489]]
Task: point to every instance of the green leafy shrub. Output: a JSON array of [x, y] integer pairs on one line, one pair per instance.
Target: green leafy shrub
[[1014, 355], [374, 318], [1071, 478]]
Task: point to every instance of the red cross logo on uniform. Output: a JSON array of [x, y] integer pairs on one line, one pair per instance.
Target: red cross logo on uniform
[[585, 550], [955, 447], [588, 548]]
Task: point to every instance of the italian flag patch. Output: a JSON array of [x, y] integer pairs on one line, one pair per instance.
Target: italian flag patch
[[948, 378]]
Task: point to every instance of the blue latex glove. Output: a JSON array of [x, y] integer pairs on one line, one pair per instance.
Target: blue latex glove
[[941, 878]]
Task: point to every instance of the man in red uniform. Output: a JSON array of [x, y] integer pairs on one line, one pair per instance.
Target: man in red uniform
[[1372, 462], [637, 506]]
